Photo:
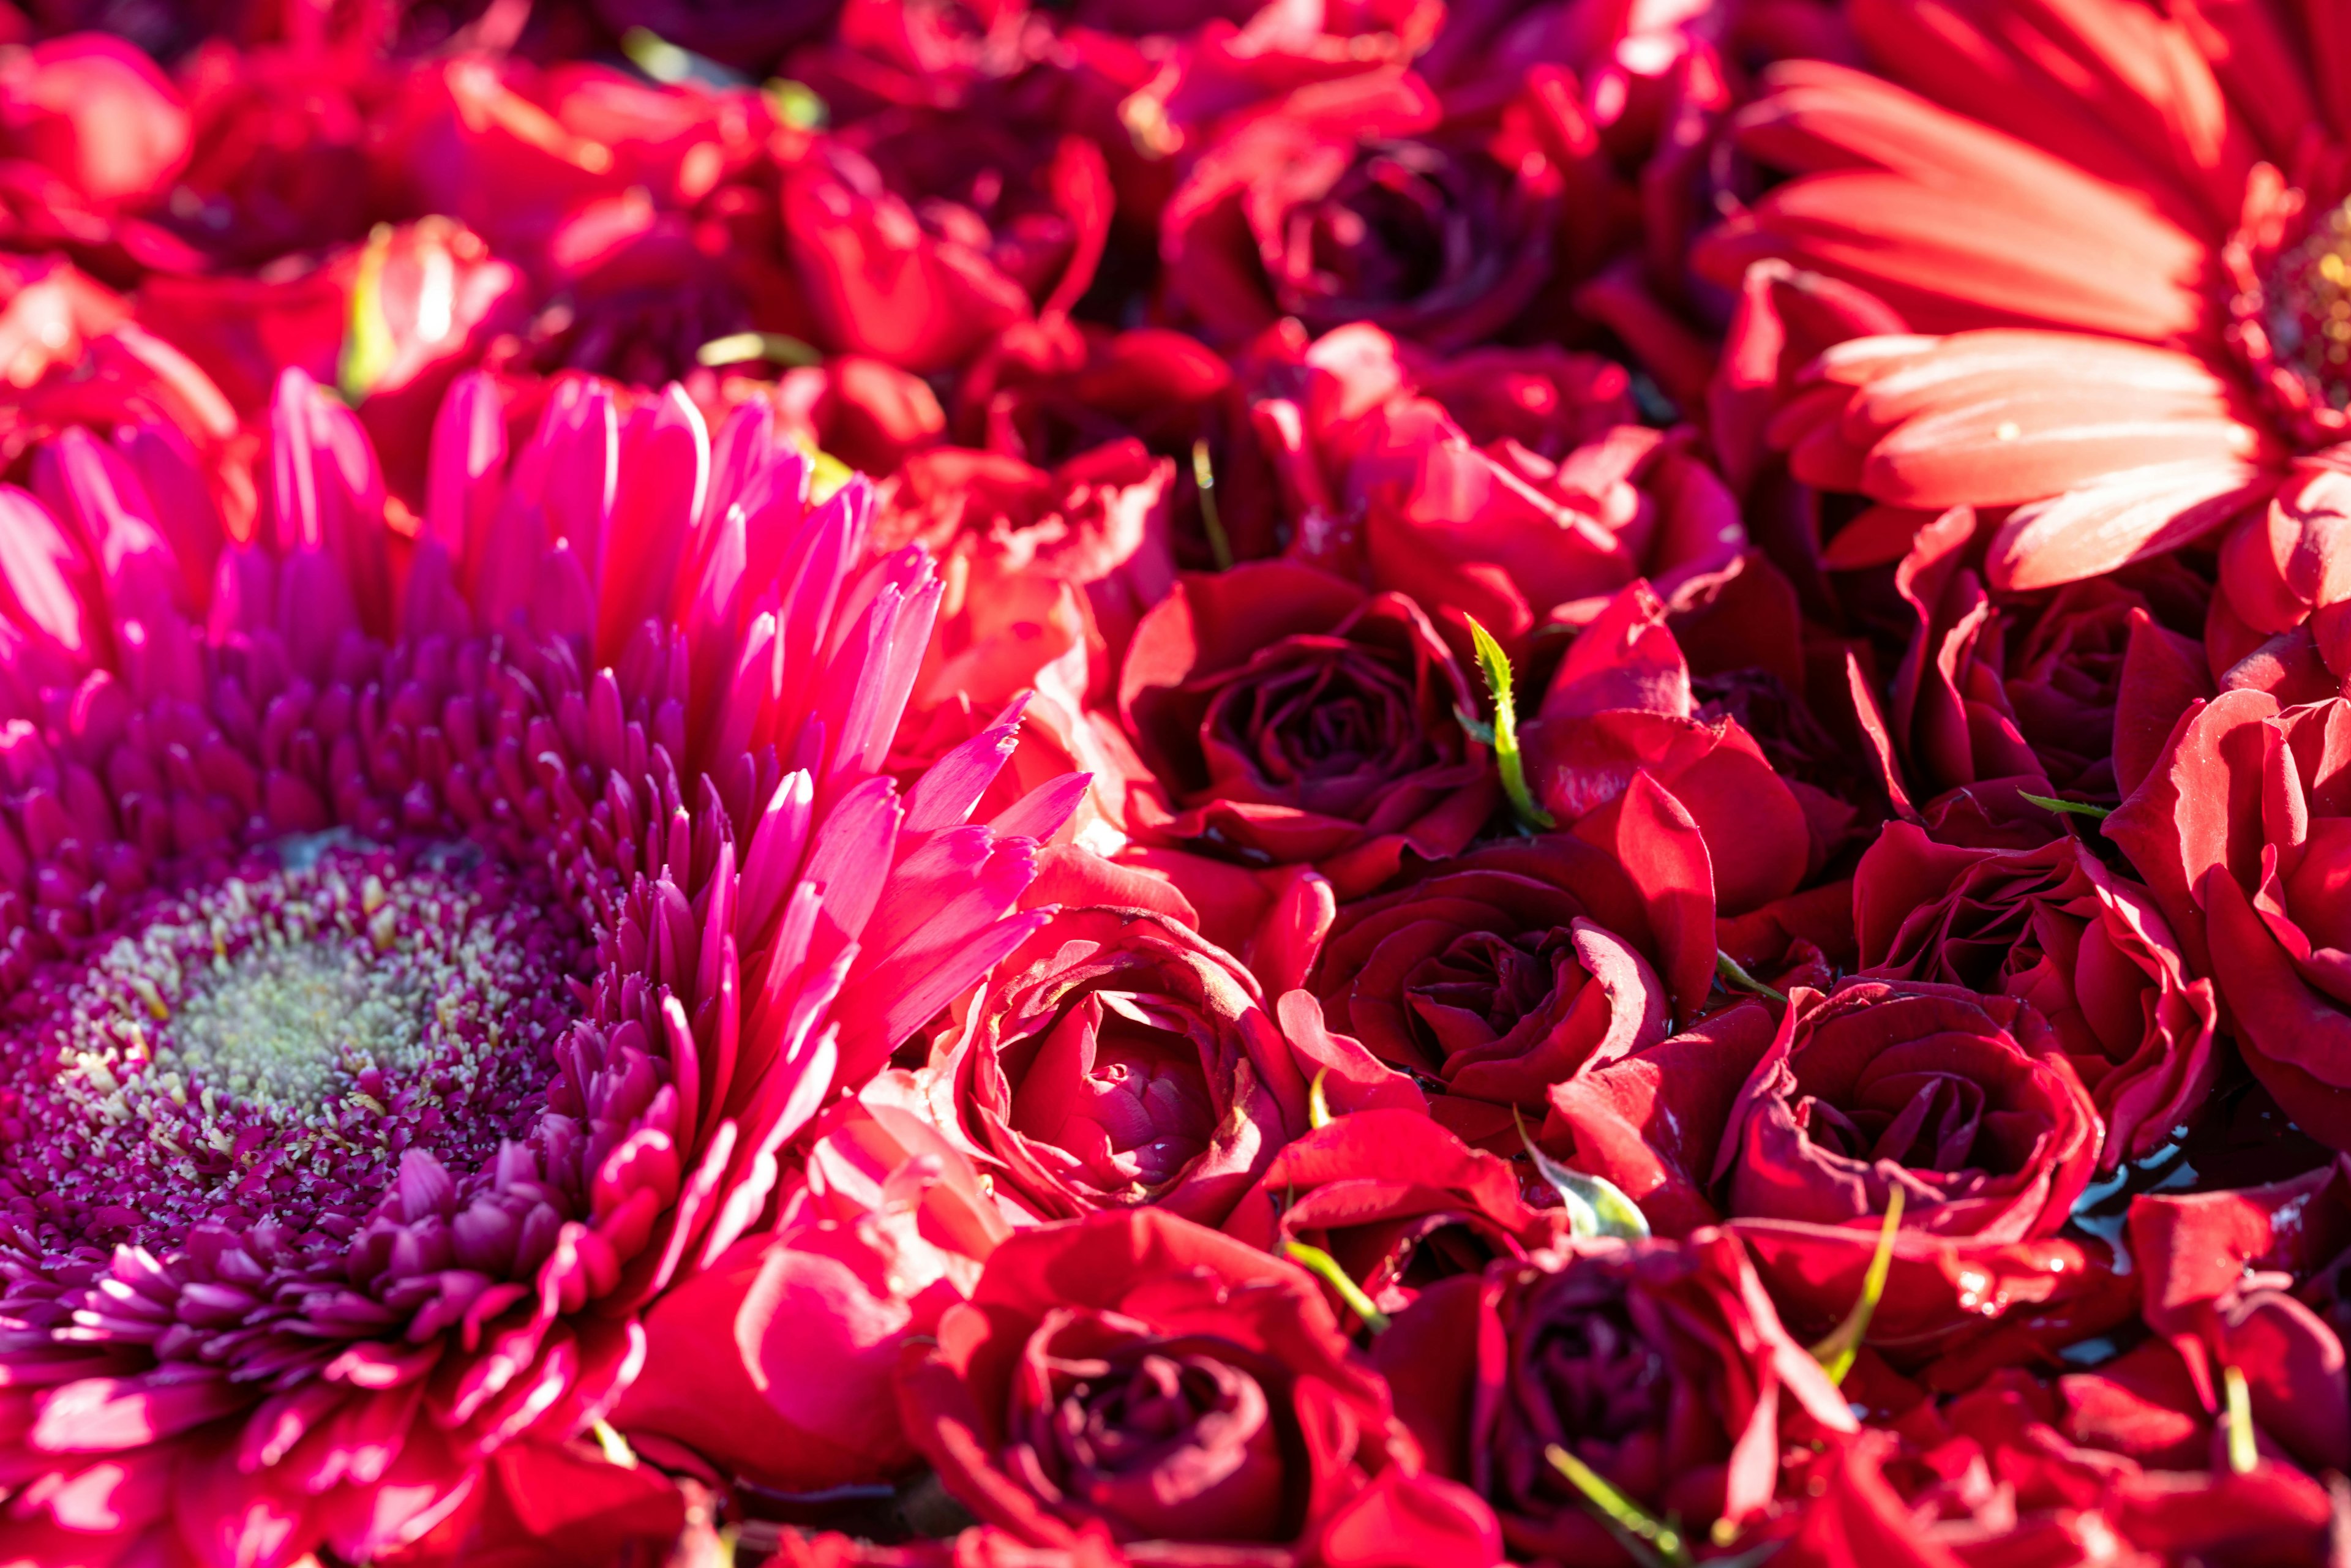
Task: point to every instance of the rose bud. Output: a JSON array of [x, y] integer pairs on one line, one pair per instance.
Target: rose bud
[[2086, 947], [1660, 1364], [1137, 1375], [1398, 1201], [1115, 1058], [1517, 965], [1296, 719], [2239, 832]]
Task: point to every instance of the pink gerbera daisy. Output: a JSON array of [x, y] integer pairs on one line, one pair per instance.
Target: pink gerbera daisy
[[414, 952], [2122, 232]]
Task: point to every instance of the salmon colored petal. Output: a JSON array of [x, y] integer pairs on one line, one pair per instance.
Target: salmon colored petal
[[2127, 517]]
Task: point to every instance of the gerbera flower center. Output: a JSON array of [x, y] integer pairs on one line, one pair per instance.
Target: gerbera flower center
[[272, 1040], [2307, 295]]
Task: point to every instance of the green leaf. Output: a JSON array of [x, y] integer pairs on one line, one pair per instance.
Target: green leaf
[[368, 347], [2244, 1452], [1495, 665], [1652, 1541], [655, 56], [1836, 1351], [1324, 1267], [1735, 976], [796, 104], [1212, 522], [615, 1446], [1595, 1205], [744, 348], [1318, 1105], [2077, 807]]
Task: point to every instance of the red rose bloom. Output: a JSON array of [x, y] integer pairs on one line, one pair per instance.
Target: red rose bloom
[[2055, 928], [2239, 833], [1294, 718], [1399, 1202], [916, 241], [1116, 1058], [1342, 203], [1660, 1365], [1137, 1374], [1517, 965]]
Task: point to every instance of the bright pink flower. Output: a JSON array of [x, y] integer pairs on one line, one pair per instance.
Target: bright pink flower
[[565, 818]]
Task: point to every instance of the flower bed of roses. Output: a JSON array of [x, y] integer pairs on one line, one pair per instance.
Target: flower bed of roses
[[942, 784]]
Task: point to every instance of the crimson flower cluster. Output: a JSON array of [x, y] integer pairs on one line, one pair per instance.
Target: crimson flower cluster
[[1174, 783]]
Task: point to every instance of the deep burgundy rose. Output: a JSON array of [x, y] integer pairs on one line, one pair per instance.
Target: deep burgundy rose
[[2239, 832], [1183, 1391], [1345, 203], [2055, 928], [916, 240], [2073, 693], [1294, 718], [1621, 703], [1116, 1058], [1660, 1365], [1400, 1202], [1517, 965]]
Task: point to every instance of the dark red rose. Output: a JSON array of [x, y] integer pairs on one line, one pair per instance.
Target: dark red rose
[[918, 240], [1051, 389], [1344, 204], [1116, 1058], [1187, 1393], [1517, 965], [2053, 927], [1992, 1482], [2240, 833], [1399, 1202], [1621, 704], [1516, 540], [1966, 1102], [1293, 718], [2072, 693], [2245, 1280], [1660, 1365]]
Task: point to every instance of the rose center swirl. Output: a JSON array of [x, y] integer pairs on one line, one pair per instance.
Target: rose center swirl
[[270, 1041]]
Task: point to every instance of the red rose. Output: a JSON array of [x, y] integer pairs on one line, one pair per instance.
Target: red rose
[[1294, 718], [1344, 204], [1967, 1102], [1517, 965], [1621, 703], [1502, 534], [1660, 1365], [1399, 1202], [1116, 1058], [2055, 928], [1045, 569], [1992, 1482], [775, 1359], [2073, 694], [2239, 833], [916, 241], [90, 132], [1193, 1397]]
